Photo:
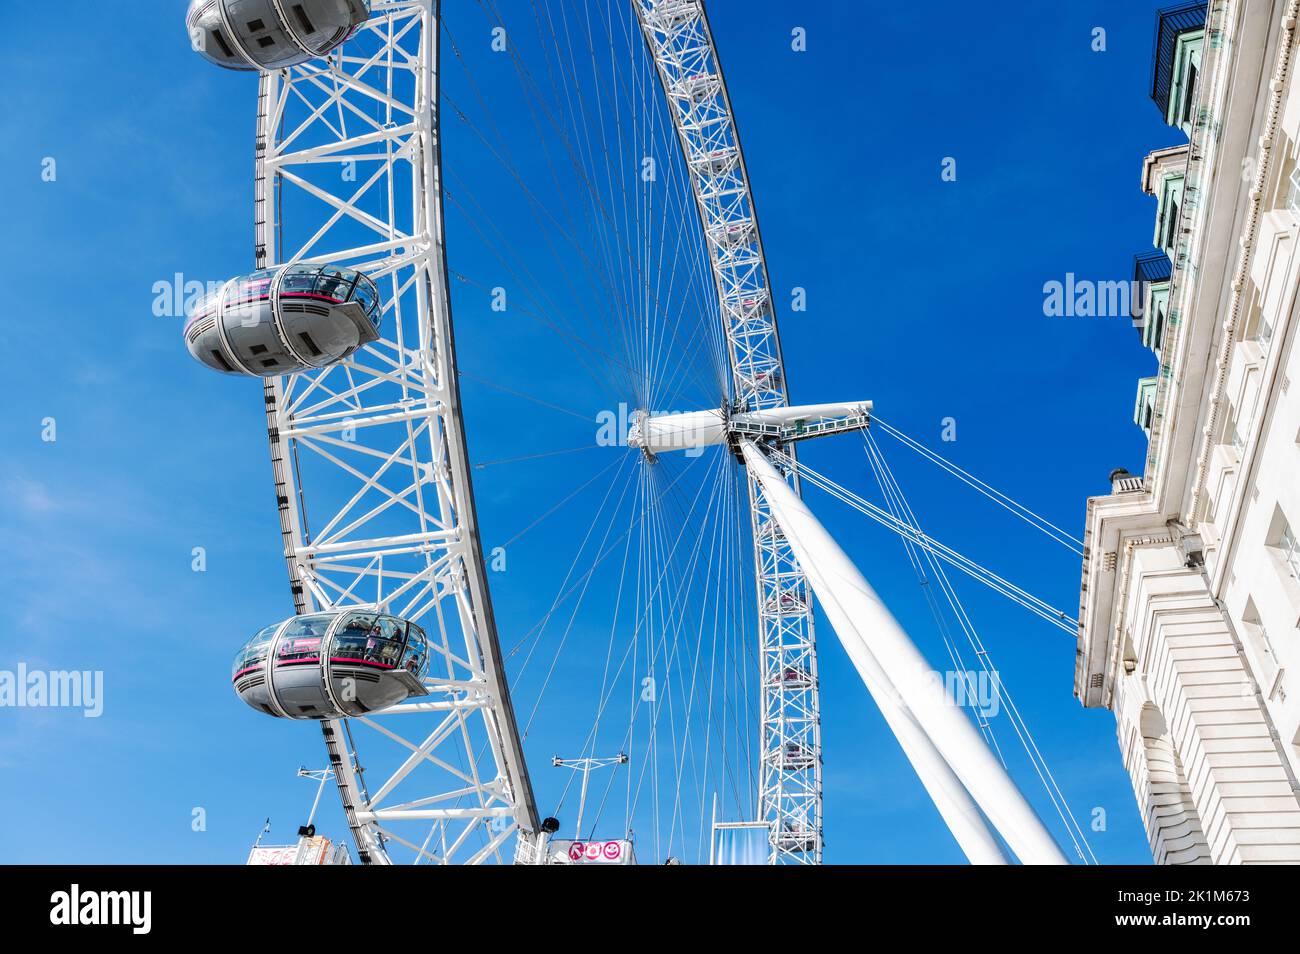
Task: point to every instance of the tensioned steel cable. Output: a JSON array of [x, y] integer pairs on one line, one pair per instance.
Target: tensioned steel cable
[[1021, 727], [664, 269], [966, 565], [899, 509], [1021, 511]]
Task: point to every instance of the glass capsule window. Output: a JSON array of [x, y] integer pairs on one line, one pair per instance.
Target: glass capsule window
[[367, 296], [370, 638], [299, 280], [334, 282], [205, 306], [415, 659], [301, 640], [354, 635], [254, 652], [252, 287], [388, 644], [314, 625]]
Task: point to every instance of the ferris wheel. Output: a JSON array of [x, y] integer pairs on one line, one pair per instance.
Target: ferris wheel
[[394, 648]]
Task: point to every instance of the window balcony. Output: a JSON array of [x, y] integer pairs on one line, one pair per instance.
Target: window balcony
[[1144, 411], [1163, 172], [1151, 274], [1176, 71]]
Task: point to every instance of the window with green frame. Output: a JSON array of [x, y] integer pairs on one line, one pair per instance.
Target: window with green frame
[[1171, 198], [1187, 70], [1153, 331]]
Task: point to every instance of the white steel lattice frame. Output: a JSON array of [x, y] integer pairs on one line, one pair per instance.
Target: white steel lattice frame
[[790, 784], [369, 455]]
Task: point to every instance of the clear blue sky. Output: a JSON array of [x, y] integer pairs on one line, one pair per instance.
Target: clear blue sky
[[925, 296]]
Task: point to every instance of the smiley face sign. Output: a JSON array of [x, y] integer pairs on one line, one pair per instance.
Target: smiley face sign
[[595, 852]]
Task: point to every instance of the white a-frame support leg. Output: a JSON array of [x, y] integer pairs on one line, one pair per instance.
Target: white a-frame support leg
[[958, 809], [935, 734]]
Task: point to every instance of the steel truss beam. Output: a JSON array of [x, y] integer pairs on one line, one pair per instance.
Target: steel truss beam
[[371, 473], [790, 785]]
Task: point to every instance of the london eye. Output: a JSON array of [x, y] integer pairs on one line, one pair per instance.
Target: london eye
[[687, 610]]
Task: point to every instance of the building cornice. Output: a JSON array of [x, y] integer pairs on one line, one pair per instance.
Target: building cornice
[[1116, 525], [1159, 163], [1263, 169]]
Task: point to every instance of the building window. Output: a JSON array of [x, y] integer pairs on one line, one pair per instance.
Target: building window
[[1255, 627], [1145, 408], [1189, 93], [1264, 334], [1256, 327], [1180, 38], [1293, 194], [1290, 550]]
